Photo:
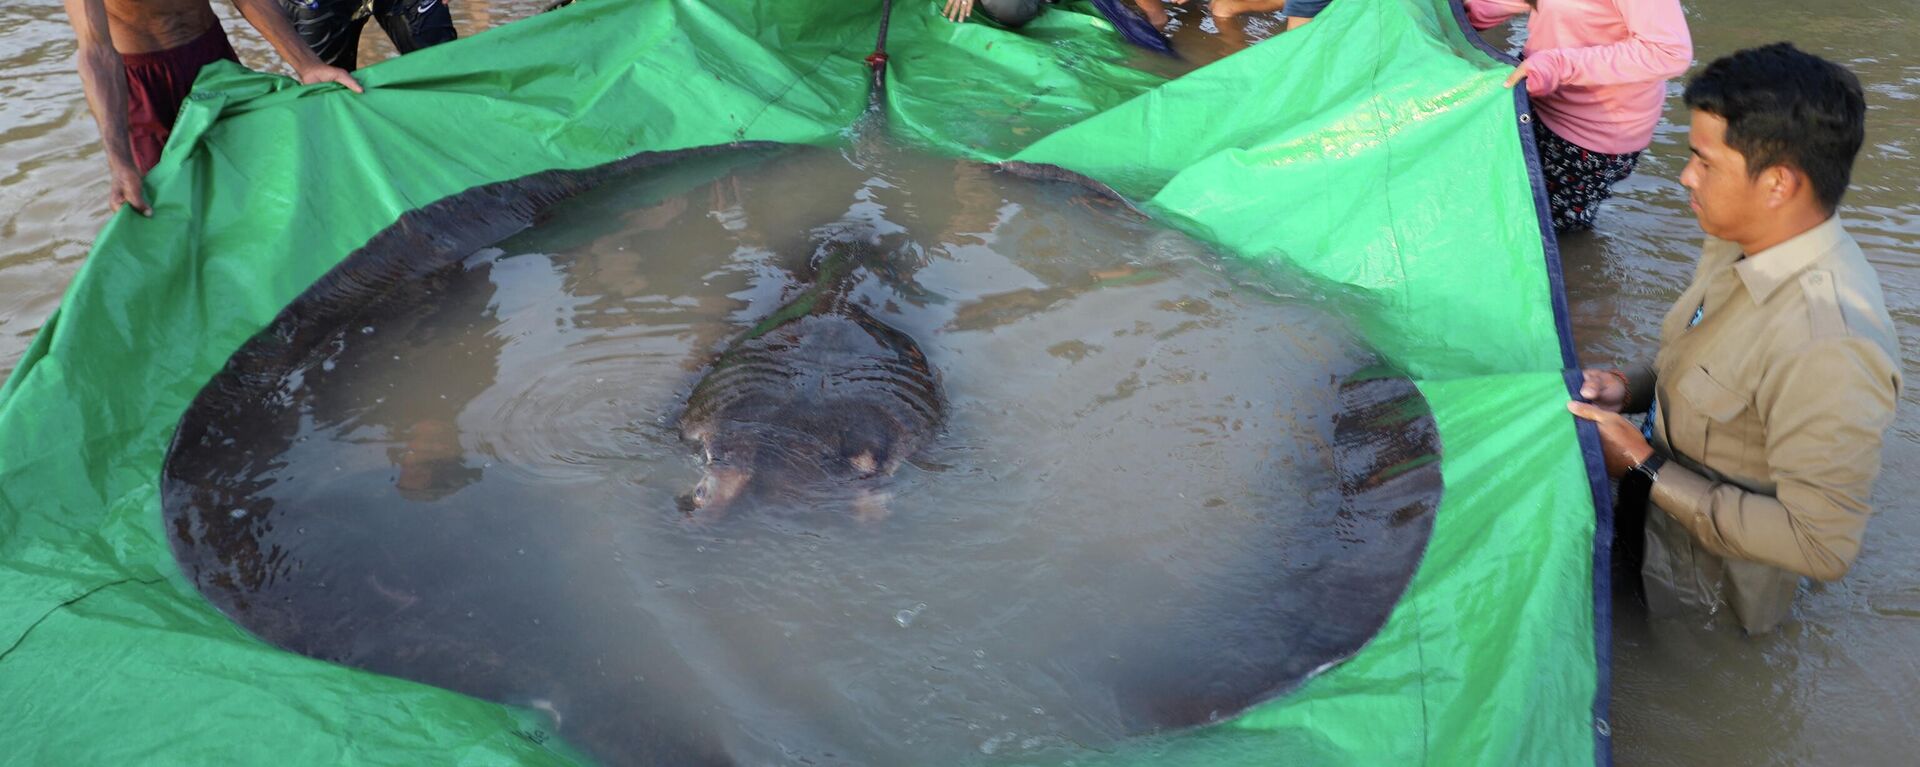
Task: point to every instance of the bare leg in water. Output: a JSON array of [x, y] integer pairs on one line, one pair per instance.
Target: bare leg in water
[[1227, 9], [1156, 12]]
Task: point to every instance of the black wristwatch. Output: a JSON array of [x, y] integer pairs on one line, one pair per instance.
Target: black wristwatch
[[1649, 468]]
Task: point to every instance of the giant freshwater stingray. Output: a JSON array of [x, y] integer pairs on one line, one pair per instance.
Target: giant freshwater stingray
[[819, 399]]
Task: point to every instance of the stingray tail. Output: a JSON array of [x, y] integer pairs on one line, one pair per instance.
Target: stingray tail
[[877, 61], [836, 269], [833, 274]]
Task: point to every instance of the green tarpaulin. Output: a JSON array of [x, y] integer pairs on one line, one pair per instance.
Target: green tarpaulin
[[1376, 151]]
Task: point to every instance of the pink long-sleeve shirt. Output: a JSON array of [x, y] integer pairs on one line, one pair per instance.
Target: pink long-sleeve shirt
[[1598, 69]]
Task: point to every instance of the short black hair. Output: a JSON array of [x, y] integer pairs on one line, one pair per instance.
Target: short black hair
[[1784, 106]]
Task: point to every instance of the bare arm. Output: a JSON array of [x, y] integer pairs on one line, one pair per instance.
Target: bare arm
[[1487, 14], [272, 22], [104, 78]]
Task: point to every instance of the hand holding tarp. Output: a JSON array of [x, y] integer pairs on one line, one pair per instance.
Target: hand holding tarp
[[1620, 440], [329, 74], [1606, 388], [1537, 79], [126, 191]]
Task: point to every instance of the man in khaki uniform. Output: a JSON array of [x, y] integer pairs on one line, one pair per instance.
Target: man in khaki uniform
[[1778, 368]]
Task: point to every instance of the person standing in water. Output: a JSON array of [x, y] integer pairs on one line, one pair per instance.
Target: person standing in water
[[1596, 72], [332, 27], [1011, 14], [1014, 14], [1296, 12], [1778, 370], [138, 59]]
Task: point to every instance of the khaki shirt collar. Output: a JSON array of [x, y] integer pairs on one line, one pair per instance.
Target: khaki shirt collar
[[1766, 271]]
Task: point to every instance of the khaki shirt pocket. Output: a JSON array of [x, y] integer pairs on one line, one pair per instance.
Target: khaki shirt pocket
[[1709, 422]]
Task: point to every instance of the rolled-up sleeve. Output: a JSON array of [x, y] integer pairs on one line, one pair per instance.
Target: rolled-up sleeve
[[1485, 14], [1826, 412], [1658, 47]]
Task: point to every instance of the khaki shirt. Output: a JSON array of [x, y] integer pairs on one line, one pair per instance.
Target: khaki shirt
[[1772, 410]]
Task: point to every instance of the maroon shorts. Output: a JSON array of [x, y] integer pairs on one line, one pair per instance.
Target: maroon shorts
[[158, 83]]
